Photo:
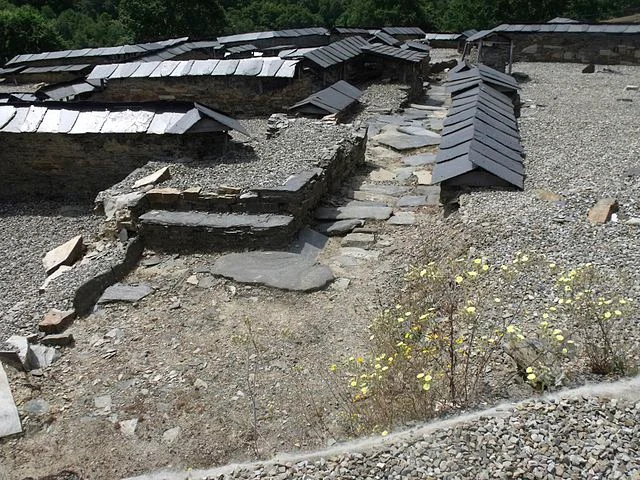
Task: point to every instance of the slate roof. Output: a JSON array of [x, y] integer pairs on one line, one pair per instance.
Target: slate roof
[[333, 99], [559, 28], [418, 46], [291, 33], [178, 50], [464, 76], [249, 67], [563, 20], [74, 68], [173, 118], [121, 50], [67, 90], [245, 47], [404, 31], [357, 31], [336, 52], [442, 37], [396, 53], [480, 133], [385, 38]]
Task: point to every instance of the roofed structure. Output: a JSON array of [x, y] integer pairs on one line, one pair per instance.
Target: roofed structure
[[301, 37], [186, 51], [250, 67], [401, 32], [334, 99], [480, 143], [385, 38], [336, 52]]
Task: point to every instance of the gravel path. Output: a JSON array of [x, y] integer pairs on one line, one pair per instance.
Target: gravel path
[[28, 232], [579, 434]]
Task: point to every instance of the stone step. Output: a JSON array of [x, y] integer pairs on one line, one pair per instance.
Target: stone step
[[203, 231]]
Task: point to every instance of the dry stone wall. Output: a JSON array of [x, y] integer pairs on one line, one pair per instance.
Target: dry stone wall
[[237, 96], [591, 48], [77, 167]]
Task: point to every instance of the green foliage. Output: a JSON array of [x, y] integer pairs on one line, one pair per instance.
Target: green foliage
[[24, 29], [80, 30], [368, 13]]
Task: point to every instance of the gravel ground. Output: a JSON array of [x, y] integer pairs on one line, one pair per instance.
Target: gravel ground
[[28, 232], [579, 434], [267, 162], [443, 54]]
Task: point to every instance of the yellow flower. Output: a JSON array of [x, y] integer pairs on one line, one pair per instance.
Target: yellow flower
[[364, 390], [545, 315], [524, 258], [622, 301], [333, 367], [556, 331], [552, 309], [529, 369], [360, 360], [531, 377], [504, 267], [428, 378], [544, 324], [459, 279], [426, 387], [423, 273], [354, 383], [384, 433], [420, 375], [378, 366], [385, 368], [552, 265], [565, 351], [618, 312], [560, 338], [511, 329], [497, 300], [477, 261], [485, 267], [607, 315], [470, 310]]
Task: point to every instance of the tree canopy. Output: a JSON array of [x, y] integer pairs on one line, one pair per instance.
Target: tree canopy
[[28, 26]]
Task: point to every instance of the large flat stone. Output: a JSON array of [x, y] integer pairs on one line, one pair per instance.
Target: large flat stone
[[374, 197], [65, 254], [420, 159], [156, 177], [412, 201], [339, 227], [402, 218], [283, 270], [309, 243], [402, 141], [9, 418], [125, 293], [371, 212], [391, 190], [417, 131]]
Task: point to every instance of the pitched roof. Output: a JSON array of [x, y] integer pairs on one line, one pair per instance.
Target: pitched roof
[[404, 31], [442, 37], [558, 28], [333, 99], [385, 38], [291, 33], [336, 52], [174, 118], [120, 50], [464, 76], [248, 67], [178, 50], [396, 53], [480, 133], [67, 90]]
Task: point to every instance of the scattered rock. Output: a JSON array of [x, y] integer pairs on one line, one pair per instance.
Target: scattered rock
[[624, 99], [37, 406], [125, 293], [192, 280], [200, 384], [547, 195], [401, 141], [156, 177], [284, 270], [128, 427], [341, 284], [171, 435], [43, 356], [9, 418], [58, 340], [58, 273], [633, 221], [373, 212], [111, 205], [20, 353], [404, 174], [151, 261], [601, 212], [361, 240], [103, 402], [589, 68], [402, 218], [634, 88], [55, 321], [65, 254], [360, 253], [339, 227]]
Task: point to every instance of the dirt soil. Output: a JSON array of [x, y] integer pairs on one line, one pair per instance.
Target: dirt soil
[[213, 373]]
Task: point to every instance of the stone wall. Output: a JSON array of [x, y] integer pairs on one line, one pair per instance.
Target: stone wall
[[77, 167], [577, 47], [237, 96], [296, 199]]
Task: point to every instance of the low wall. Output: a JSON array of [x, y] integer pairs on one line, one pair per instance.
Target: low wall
[[234, 95], [604, 49], [77, 167]]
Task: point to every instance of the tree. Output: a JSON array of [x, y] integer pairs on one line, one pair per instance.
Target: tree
[[381, 13], [25, 30], [156, 19]]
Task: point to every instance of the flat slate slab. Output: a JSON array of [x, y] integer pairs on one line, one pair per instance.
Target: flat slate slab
[[120, 292], [403, 141], [309, 243], [339, 227], [65, 254], [368, 212], [391, 190], [402, 218], [417, 131], [412, 201], [9, 418], [283, 270], [420, 159]]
